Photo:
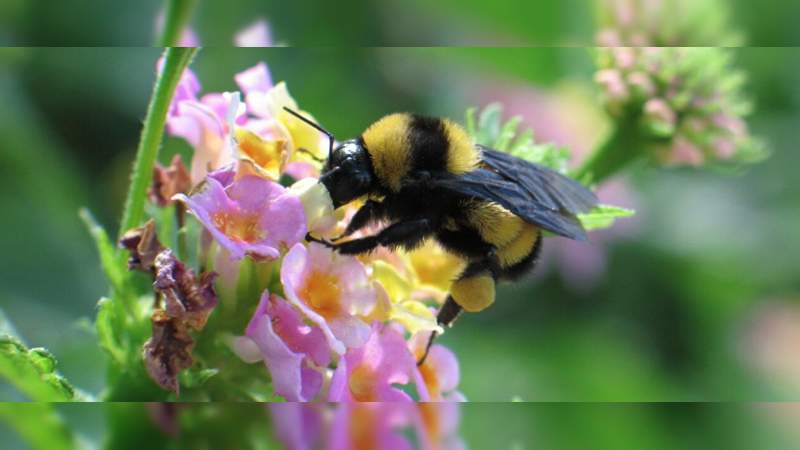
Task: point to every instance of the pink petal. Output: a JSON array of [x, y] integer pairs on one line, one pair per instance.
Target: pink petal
[[256, 35], [300, 170], [187, 89], [444, 363], [396, 360], [189, 38], [255, 82], [285, 221], [281, 336], [211, 200], [387, 355], [192, 120], [320, 257], [298, 336], [254, 79], [351, 330], [221, 104], [283, 364], [298, 426], [392, 394], [252, 193], [338, 386], [311, 383], [292, 273]]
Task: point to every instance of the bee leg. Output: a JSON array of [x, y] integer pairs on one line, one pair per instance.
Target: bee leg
[[448, 314], [473, 291], [325, 242], [408, 234], [371, 210]]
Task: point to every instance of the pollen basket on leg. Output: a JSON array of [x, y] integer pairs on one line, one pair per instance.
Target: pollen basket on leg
[[474, 293], [388, 147]]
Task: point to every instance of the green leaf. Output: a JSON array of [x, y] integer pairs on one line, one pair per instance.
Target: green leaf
[[489, 124], [106, 249], [33, 371], [507, 133], [603, 216], [492, 132], [194, 378], [39, 425], [105, 326]]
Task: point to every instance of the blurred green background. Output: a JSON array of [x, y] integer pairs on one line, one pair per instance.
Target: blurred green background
[[695, 299]]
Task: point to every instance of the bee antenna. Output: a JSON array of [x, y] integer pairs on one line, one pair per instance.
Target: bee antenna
[[310, 155], [315, 126]]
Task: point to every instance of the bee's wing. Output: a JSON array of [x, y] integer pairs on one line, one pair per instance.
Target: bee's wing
[[547, 187], [491, 186]]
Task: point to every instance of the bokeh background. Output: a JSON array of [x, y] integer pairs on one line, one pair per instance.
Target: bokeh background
[[697, 298]]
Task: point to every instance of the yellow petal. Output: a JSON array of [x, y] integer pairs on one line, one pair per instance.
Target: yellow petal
[[269, 156], [303, 135], [415, 317], [383, 305], [397, 287], [434, 268], [277, 98]]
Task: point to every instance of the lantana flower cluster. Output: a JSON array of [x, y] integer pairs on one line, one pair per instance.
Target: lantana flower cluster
[[325, 326], [367, 425], [686, 102]]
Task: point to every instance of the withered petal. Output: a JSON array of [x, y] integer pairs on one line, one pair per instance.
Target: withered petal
[[168, 181], [186, 297], [168, 351], [144, 246]]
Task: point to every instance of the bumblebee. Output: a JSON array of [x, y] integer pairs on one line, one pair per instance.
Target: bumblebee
[[426, 178]]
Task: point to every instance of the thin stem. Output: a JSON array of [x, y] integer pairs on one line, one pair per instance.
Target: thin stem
[[621, 147], [180, 218], [175, 61], [176, 18]]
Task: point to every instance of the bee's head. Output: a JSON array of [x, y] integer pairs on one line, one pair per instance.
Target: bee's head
[[347, 174]]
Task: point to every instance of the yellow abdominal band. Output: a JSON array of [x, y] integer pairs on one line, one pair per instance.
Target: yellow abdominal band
[[474, 293]]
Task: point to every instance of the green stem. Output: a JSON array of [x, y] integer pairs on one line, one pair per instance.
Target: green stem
[[180, 218], [176, 18], [175, 61], [39, 425], [621, 147]]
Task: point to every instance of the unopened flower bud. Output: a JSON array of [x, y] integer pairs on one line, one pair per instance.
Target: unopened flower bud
[[613, 85], [659, 117], [641, 84]]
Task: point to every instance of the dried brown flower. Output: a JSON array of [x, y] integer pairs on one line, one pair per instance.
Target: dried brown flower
[[168, 181], [188, 300], [144, 246]]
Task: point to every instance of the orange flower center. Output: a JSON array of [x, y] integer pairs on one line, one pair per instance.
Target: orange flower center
[[430, 418], [268, 155], [362, 384], [239, 227], [363, 426], [430, 378], [322, 293]]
